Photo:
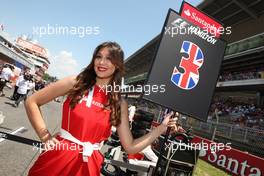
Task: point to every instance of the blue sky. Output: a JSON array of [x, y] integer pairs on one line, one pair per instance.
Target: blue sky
[[130, 23]]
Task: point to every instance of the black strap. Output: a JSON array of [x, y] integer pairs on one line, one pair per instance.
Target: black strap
[[20, 139]]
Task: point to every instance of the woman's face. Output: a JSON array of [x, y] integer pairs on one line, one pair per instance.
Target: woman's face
[[102, 64]]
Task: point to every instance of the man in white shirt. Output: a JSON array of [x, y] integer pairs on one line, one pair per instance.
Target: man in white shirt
[[15, 96], [5, 77], [31, 87], [22, 90], [131, 114], [131, 110], [21, 77]]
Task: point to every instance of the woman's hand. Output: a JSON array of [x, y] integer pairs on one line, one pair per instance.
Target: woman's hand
[[50, 142], [168, 121], [177, 129]]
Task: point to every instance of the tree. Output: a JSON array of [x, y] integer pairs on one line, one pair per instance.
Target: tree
[[49, 78]]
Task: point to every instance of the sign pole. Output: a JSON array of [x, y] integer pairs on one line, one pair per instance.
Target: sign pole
[[159, 169]]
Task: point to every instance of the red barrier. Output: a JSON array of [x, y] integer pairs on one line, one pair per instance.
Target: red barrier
[[228, 159]]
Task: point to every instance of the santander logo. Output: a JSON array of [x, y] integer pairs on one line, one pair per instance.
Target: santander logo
[[187, 12], [200, 19], [233, 165], [230, 162]]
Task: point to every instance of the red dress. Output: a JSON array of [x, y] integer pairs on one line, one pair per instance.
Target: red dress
[[87, 123]]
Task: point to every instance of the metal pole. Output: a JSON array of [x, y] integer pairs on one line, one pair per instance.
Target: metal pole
[[245, 135], [231, 130], [161, 151], [217, 118]]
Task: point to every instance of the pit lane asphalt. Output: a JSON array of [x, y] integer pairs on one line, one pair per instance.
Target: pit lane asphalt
[[17, 158]]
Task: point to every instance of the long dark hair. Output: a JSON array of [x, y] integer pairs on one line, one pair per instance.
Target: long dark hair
[[87, 78]]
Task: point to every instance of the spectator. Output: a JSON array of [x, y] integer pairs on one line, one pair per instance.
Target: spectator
[[26, 72], [131, 114], [39, 85], [15, 95], [23, 87], [5, 77], [31, 86]]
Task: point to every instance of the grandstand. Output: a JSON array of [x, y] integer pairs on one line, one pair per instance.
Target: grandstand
[[240, 89], [10, 53], [24, 54]]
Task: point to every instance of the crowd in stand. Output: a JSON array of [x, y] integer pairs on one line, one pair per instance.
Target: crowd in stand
[[231, 76], [242, 115]]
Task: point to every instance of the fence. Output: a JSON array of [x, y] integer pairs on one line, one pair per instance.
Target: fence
[[245, 139]]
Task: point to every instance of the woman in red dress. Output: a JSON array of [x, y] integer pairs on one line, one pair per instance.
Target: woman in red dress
[[88, 114]]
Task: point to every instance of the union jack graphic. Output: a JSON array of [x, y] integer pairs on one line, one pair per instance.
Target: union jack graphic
[[190, 77]]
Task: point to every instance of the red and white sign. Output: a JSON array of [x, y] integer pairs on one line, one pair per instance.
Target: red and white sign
[[231, 160], [200, 19], [32, 47]]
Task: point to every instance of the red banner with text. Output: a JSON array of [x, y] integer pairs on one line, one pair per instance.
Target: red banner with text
[[228, 159]]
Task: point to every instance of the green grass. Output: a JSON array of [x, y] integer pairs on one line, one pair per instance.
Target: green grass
[[205, 169]]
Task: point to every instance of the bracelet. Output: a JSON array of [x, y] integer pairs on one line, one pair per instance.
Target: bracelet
[[43, 134], [45, 138]]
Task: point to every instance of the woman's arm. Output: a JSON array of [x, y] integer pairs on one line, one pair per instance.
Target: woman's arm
[[44, 96], [136, 145]]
